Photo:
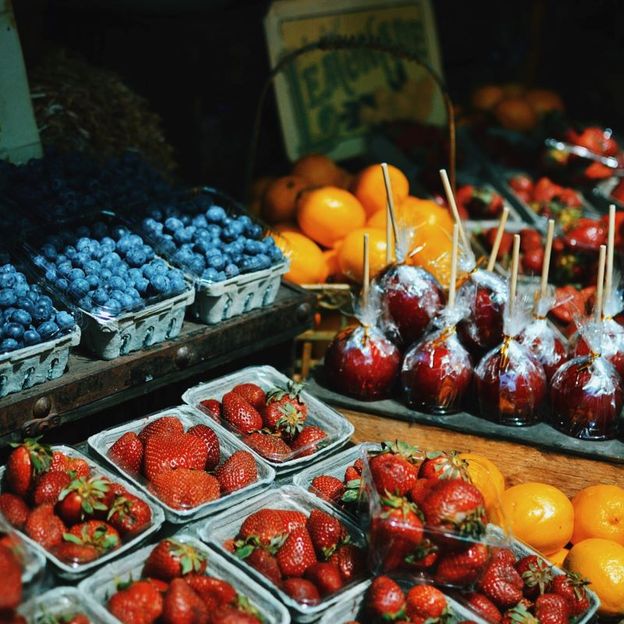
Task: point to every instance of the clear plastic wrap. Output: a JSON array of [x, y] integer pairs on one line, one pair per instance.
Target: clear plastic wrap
[[64, 605]]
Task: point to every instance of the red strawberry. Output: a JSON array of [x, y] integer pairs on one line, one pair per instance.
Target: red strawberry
[[571, 587], [141, 603], [351, 474], [164, 424], [11, 574], [182, 605], [265, 563], [309, 440], [82, 498], [206, 434], [129, 515], [115, 489], [79, 467], [393, 470], [96, 533], [173, 559], [241, 415], [292, 519], [302, 590], [237, 471], [173, 450], [532, 261], [425, 601], [501, 583], [76, 552], [26, 462], [462, 568], [268, 445], [443, 465], [264, 526], [530, 239], [326, 576], [325, 531], [214, 592], [252, 393], [398, 519], [293, 416], [536, 575], [484, 607], [79, 618], [420, 490], [232, 615], [519, 615], [127, 452], [14, 509], [327, 487], [296, 554], [49, 486], [350, 561], [552, 609], [184, 488], [60, 462], [212, 408], [386, 599], [45, 527]]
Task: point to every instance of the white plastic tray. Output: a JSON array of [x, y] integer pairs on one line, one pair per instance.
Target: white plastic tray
[[62, 601]]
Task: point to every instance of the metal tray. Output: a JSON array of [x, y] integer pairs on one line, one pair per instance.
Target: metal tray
[[62, 601], [101, 442]]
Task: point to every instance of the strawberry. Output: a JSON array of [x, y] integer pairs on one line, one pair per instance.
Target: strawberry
[[231, 615], [309, 440], [115, 489], [297, 553], [82, 498], [49, 487], [172, 559], [327, 487], [393, 469], [212, 407], [11, 574], [536, 575], [425, 601], [326, 576], [519, 615], [214, 592], [264, 526], [209, 437], [484, 607], [302, 590], [420, 490], [462, 568], [532, 261], [182, 605], [292, 519], [398, 519], [501, 583], [423, 556], [164, 424], [268, 445], [530, 239], [505, 244], [14, 509], [350, 560], [325, 531], [140, 603], [78, 467], [79, 618], [289, 395], [443, 465], [571, 587], [96, 533], [239, 414], [184, 488], [173, 450], [76, 551], [552, 609], [386, 599], [351, 474], [127, 452], [60, 462], [26, 462], [285, 411], [129, 515], [252, 393], [45, 527], [237, 472], [265, 563]]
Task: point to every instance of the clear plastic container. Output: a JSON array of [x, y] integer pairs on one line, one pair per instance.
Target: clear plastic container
[[103, 584], [336, 426], [218, 530], [75, 571], [101, 442], [63, 602]]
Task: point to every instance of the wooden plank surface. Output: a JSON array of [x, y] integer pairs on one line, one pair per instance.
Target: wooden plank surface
[[518, 462]]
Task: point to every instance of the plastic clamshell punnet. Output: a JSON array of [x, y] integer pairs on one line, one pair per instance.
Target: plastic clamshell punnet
[[60, 602], [337, 427], [215, 531], [73, 572], [102, 585], [101, 442]]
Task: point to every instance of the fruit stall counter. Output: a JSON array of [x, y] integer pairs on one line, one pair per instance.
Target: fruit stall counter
[[91, 386]]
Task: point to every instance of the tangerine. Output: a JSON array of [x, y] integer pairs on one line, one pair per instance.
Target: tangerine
[[515, 113], [430, 248], [286, 226], [351, 253], [259, 186], [331, 261], [599, 512], [329, 213], [544, 101], [559, 557], [486, 477], [540, 515], [485, 98], [319, 170], [370, 189], [417, 212], [279, 201], [377, 220], [307, 263]]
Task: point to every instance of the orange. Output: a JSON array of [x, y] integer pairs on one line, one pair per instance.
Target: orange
[[599, 512], [369, 188], [307, 264], [286, 226], [485, 98], [486, 476], [432, 246], [331, 261], [319, 170], [544, 101], [351, 253], [515, 114], [259, 186], [559, 557], [377, 220], [602, 562], [540, 515], [329, 213], [280, 198], [425, 212]]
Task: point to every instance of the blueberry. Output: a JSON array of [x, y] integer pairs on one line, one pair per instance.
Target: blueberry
[[116, 283], [177, 282], [80, 259], [23, 317], [160, 283], [238, 227], [215, 214], [244, 220], [75, 274], [13, 330], [70, 251], [24, 303], [200, 221], [65, 268], [93, 280], [8, 344], [229, 234], [216, 261], [118, 295], [197, 265], [264, 262], [79, 288], [141, 284], [20, 279], [8, 297], [112, 307], [62, 284], [127, 302], [7, 280], [184, 235], [7, 268], [210, 275], [47, 330], [136, 257], [133, 293], [149, 253], [254, 231], [124, 244], [64, 320], [277, 255], [107, 245], [49, 251], [43, 299], [31, 337], [168, 247], [173, 224], [105, 274], [160, 266], [100, 297], [92, 267], [39, 261], [120, 270], [253, 247], [83, 244], [231, 270]]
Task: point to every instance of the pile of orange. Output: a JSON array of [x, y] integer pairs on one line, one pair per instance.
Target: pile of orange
[[320, 213], [514, 106]]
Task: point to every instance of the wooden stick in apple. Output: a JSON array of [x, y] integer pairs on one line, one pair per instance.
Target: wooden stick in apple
[[454, 255], [547, 253], [608, 287], [499, 237], [366, 276], [515, 263], [390, 200], [600, 283], [451, 202]]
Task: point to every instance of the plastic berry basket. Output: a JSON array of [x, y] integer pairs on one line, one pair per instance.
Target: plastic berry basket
[[225, 526], [101, 442], [62, 602], [103, 584], [337, 427], [108, 332], [215, 301], [74, 572]]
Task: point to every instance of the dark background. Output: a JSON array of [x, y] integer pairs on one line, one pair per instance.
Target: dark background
[[202, 64]]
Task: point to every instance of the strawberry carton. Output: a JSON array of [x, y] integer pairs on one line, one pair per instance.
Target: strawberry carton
[[302, 549], [179, 579], [73, 511], [270, 414], [62, 605], [183, 462]]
